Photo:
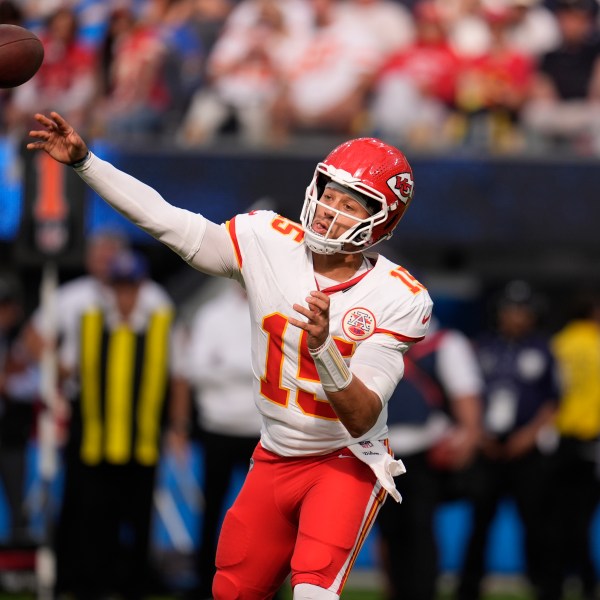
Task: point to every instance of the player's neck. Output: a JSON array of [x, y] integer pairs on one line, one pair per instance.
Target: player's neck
[[339, 267]]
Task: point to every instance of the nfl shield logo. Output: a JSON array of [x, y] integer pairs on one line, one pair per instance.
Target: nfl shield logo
[[358, 324]]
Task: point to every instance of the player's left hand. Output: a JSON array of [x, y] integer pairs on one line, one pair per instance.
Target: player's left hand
[[317, 315]]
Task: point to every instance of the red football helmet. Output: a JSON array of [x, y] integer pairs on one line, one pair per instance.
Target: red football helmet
[[377, 171]]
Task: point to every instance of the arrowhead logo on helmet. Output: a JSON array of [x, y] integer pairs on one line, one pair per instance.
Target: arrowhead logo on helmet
[[402, 185]]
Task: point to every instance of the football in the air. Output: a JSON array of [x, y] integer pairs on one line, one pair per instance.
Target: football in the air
[[21, 55]]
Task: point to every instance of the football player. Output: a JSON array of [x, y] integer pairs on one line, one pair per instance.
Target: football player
[[330, 323]]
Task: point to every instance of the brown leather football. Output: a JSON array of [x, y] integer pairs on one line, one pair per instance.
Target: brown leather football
[[21, 55]]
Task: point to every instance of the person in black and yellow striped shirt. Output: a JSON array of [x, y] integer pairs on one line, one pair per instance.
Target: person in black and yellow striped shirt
[[120, 359]]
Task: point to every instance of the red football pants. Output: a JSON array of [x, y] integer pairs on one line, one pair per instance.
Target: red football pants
[[309, 516]]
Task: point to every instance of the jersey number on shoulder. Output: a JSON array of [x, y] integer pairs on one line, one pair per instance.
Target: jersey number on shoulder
[[288, 227], [407, 279], [275, 326]]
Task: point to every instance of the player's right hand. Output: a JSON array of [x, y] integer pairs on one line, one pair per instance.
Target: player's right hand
[[58, 139], [317, 315]]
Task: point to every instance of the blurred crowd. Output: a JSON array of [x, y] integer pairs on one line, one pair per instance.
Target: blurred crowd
[[500, 75]]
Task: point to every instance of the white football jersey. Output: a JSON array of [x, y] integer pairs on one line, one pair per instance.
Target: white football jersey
[[385, 306]]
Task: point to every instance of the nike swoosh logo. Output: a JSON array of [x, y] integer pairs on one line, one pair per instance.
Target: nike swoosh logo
[[425, 319], [343, 456]]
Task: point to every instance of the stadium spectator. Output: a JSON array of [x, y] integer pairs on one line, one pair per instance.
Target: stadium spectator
[[322, 468], [389, 22], [218, 368], [326, 88], [577, 349], [134, 99], [520, 396], [563, 108], [117, 364], [296, 13], [209, 18], [244, 72], [468, 31], [185, 53], [493, 86], [19, 401], [434, 421], [65, 81], [93, 18], [532, 28], [413, 95]]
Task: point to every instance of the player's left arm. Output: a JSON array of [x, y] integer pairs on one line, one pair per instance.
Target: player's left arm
[[357, 407], [377, 366]]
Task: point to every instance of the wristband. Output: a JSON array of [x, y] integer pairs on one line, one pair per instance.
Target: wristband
[[78, 163], [333, 372]]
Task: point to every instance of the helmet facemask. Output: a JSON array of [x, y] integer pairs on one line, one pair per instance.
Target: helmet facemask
[[357, 238]]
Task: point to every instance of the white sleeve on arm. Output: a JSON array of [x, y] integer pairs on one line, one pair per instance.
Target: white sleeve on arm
[[200, 242], [380, 366]]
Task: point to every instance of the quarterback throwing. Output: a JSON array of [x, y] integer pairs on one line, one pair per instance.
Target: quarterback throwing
[[330, 323]]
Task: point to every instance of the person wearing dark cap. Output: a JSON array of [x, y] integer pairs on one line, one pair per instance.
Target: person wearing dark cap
[[78, 294], [519, 404], [119, 357]]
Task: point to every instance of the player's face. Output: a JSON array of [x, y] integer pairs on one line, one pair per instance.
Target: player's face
[[337, 211]]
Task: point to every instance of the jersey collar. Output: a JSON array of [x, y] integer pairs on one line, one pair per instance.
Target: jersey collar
[[346, 285]]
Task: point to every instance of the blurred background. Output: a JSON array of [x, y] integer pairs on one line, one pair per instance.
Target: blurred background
[[223, 105]]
